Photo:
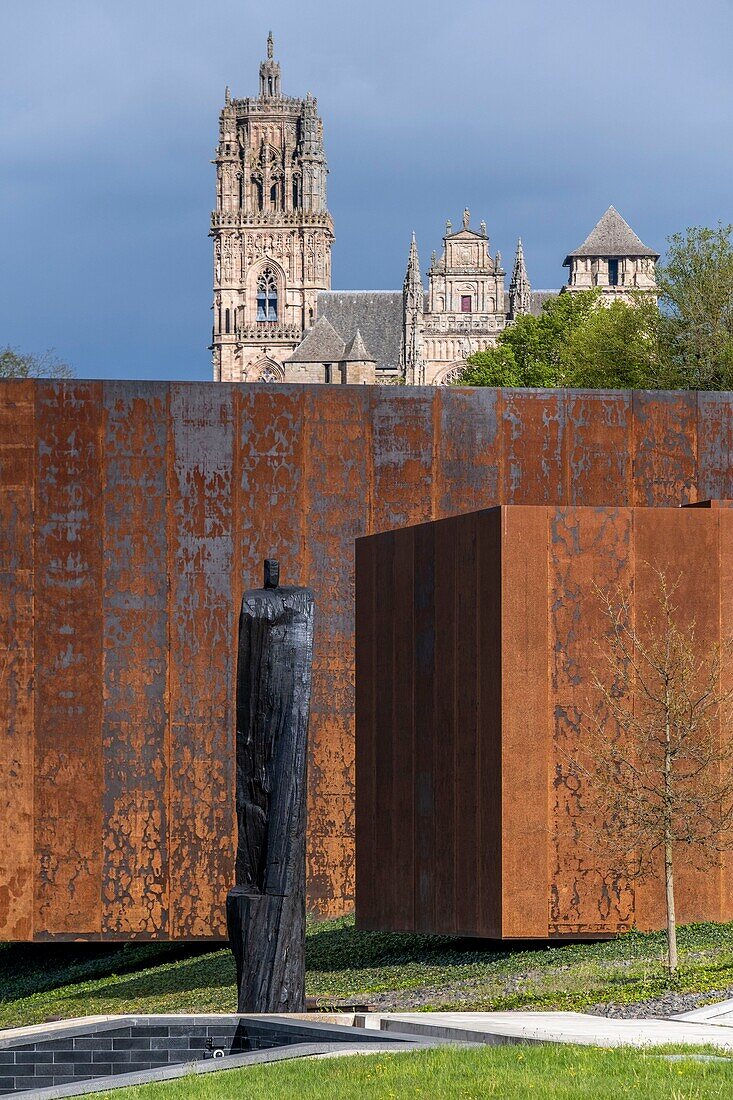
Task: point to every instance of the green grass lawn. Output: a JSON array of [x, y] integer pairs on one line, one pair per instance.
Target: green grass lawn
[[50, 981], [508, 1072]]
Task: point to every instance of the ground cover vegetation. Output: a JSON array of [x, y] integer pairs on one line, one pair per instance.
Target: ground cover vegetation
[[390, 971], [448, 1073], [686, 342]]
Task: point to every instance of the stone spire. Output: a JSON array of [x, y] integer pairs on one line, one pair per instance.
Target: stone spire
[[520, 292], [270, 73], [413, 298], [413, 285], [315, 166]]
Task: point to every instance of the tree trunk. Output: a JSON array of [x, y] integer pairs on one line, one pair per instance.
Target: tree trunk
[[671, 918], [266, 910]]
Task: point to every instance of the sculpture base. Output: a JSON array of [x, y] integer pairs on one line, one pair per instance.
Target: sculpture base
[[267, 938]]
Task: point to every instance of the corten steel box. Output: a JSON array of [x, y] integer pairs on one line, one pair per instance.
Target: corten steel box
[[476, 639], [132, 517]]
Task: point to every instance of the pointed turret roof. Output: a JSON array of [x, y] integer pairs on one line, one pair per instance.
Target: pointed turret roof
[[321, 345], [413, 278], [356, 351], [611, 237], [520, 270]]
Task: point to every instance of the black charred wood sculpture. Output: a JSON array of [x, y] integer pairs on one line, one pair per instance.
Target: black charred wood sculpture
[[266, 908]]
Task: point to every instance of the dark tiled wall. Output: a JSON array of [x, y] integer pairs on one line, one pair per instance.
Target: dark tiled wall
[[132, 1049]]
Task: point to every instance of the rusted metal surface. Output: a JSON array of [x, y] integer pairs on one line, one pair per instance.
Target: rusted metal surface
[[135, 726], [68, 660], [587, 547], [520, 669], [134, 515], [599, 448], [17, 864], [494, 723], [664, 449], [534, 447], [714, 446], [201, 659]]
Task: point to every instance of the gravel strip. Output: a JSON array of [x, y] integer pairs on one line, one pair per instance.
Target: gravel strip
[[670, 1004]]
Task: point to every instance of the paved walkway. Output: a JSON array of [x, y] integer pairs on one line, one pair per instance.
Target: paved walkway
[[713, 1028]]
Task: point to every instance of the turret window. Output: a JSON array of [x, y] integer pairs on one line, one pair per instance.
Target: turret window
[[465, 303], [267, 296], [613, 272]]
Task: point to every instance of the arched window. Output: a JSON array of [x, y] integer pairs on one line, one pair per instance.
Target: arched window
[[267, 296]]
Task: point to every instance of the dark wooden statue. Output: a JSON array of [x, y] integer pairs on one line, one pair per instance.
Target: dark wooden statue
[[266, 909]]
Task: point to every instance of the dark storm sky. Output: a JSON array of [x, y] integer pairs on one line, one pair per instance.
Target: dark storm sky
[[536, 115]]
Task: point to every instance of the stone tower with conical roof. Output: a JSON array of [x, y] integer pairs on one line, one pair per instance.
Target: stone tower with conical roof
[[520, 291], [613, 259], [271, 228]]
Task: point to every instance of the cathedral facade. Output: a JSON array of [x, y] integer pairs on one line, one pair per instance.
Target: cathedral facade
[[276, 318], [271, 228]]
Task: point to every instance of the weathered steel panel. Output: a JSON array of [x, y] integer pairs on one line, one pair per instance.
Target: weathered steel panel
[[519, 658], [534, 447], [68, 652], [366, 741], [402, 453], [135, 725], [17, 865], [599, 448], [201, 658], [425, 841], [468, 451], [488, 834], [725, 548], [665, 448], [268, 484], [714, 446], [251, 470], [336, 503], [445, 735], [588, 547], [466, 756], [684, 545]]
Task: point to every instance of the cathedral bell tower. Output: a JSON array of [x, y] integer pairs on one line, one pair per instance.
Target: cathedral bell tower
[[271, 228]]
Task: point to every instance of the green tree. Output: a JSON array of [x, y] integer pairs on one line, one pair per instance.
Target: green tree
[[575, 341], [655, 761], [617, 347], [696, 297], [17, 364]]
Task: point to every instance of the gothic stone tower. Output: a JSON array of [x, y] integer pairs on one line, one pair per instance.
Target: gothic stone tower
[[271, 227]]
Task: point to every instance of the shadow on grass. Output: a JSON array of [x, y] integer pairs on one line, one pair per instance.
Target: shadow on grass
[[346, 948], [26, 969], [193, 975]]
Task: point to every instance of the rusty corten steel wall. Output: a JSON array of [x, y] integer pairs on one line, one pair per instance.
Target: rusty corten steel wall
[[134, 515], [472, 682]]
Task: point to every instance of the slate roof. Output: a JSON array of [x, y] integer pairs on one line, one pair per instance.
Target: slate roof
[[321, 344], [377, 314], [538, 299], [356, 352], [611, 237]]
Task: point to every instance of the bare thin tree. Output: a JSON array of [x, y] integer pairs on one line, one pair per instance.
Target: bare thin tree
[[656, 761]]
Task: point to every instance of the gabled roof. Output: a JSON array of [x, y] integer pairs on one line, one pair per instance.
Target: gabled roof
[[321, 345], [467, 234], [356, 352], [611, 237], [376, 313]]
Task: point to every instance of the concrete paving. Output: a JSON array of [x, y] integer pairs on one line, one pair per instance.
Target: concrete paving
[[720, 1013], [554, 1027]]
